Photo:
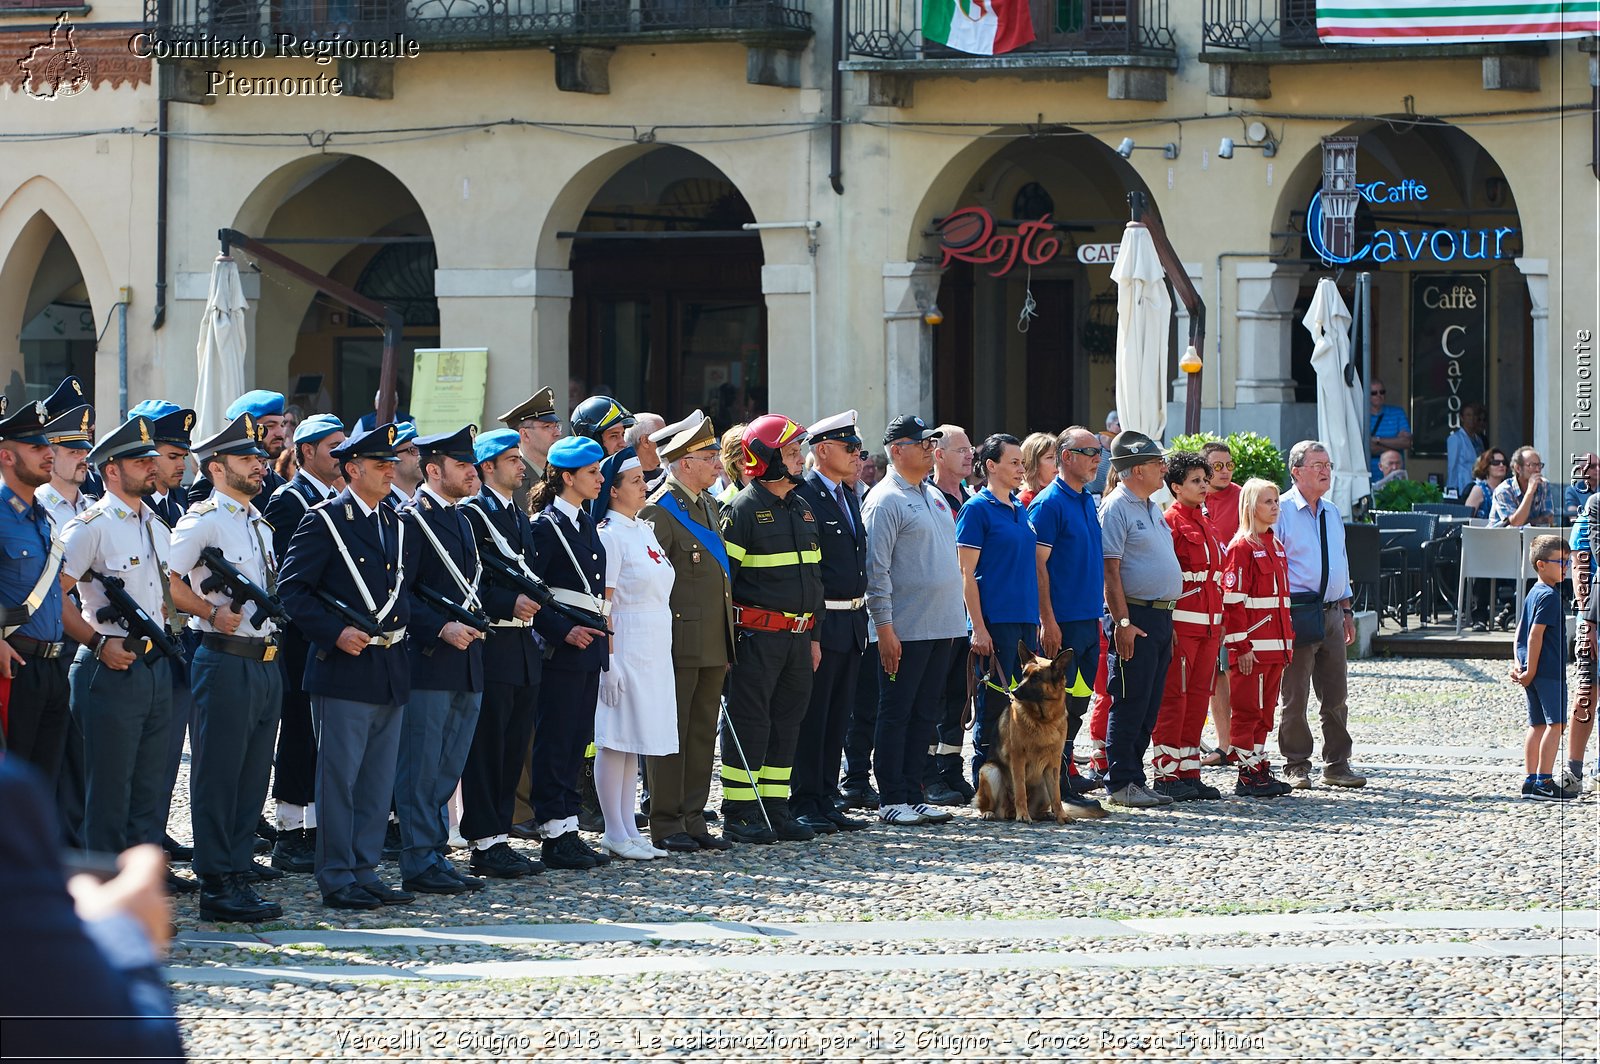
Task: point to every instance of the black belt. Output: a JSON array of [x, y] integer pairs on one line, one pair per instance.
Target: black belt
[[240, 647], [1153, 604], [36, 647]]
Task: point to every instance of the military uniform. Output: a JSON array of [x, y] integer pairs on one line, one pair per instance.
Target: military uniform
[[843, 636], [238, 691], [124, 713], [775, 556]]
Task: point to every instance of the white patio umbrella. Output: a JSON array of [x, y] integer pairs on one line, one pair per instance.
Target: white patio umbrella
[[1144, 330], [221, 349], [1339, 395]]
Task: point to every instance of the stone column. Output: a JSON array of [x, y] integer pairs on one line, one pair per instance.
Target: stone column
[[1545, 377], [794, 376], [909, 288], [522, 317], [1263, 379]]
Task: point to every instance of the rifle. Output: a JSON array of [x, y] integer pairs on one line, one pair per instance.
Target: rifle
[[454, 610], [132, 616], [360, 620], [497, 568], [225, 575]]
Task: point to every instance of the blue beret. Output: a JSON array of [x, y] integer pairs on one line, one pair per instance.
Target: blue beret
[[154, 409], [575, 452], [259, 403], [405, 432], [317, 427], [491, 445]]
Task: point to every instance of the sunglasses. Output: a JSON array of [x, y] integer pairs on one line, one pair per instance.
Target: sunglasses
[[1087, 452], [1222, 467], [1497, 461], [1379, 391]]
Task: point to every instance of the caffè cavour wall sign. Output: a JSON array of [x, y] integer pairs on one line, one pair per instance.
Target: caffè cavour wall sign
[[1419, 243]]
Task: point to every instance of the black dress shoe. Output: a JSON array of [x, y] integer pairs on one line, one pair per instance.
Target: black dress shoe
[[707, 841], [499, 861], [679, 842], [391, 842], [709, 815], [265, 830], [388, 895], [261, 873], [819, 824], [567, 852], [527, 831], [641, 820], [221, 901], [295, 850], [435, 880], [846, 823], [261, 847], [470, 882], [176, 884], [941, 793], [176, 851], [750, 832], [352, 896], [859, 797]]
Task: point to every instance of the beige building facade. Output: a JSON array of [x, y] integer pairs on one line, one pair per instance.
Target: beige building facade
[[578, 203]]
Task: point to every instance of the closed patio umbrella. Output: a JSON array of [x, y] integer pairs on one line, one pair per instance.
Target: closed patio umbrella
[[221, 349], [1144, 331], [1339, 396]]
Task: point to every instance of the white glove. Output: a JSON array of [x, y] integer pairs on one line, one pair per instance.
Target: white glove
[[612, 687]]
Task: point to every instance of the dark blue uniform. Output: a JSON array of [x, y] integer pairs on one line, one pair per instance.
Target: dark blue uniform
[[513, 664], [38, 721], [183, 724], [843, 635]]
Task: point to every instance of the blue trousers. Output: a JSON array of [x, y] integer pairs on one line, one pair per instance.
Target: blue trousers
[[1005, 636], [908, 707], [436, 730], [863, 724], [125, 714], [1135, 687], [357, 743], [563, 727], [1083, 639], [236, 707]]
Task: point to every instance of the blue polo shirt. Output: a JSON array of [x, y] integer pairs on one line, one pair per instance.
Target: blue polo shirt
[[1066, 521], [24, 548], [1388, 422], [1008, 579]]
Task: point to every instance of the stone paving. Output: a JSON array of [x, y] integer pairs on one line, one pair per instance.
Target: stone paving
[[1431, 915]]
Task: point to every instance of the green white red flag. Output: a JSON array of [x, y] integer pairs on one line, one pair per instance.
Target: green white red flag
[[1455, 22], [978, 27]]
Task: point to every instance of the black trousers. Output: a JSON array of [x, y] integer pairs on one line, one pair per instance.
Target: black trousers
[[1135, 687], [944, 756], [768, 692], [907, 709], [39, 717], [821, 743], [863, 724], [563, 726], [494, 761], [294, 777]]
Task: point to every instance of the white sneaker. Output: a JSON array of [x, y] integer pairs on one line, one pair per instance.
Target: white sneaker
[[625, 849], [902, 815], [1570, 782], [1134, 796], [932, 815], [456, 842]]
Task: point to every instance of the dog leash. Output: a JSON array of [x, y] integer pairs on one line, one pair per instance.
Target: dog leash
[[992, 675]]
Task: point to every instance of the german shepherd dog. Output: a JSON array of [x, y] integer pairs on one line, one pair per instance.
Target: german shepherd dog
[[1021, 778]]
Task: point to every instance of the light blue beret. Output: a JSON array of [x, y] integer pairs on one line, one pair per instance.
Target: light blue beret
[[575, 452], [258, 404], [317, 427], [491, 445]]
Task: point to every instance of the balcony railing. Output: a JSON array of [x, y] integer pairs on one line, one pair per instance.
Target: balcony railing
[[1261, 25], [479, 23], [892, 29]]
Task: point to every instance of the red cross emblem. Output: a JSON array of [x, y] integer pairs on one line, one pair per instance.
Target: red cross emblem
[[654, 556]]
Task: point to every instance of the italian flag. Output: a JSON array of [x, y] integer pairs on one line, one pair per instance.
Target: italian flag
[[979, 27], [1455, 22]]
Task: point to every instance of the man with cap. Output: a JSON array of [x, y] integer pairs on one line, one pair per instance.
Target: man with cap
[[122, 687], [38, 721], [235, 676], [294, 778], [512, 665], [71, 437], [69, 397], [914, 594], [438, 722], [1143, 581], [687, 523], [775, 564], [408, 468], [266, 408], [830, 489], [346, 576], [537, 426]]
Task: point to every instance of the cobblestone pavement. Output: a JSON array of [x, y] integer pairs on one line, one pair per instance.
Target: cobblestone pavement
[[1429, 915]]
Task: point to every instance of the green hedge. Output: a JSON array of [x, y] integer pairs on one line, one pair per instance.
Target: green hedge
[[1404, 494], [1253, 455]]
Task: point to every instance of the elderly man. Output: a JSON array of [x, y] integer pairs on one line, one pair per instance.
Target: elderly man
[[1311, 530], [637, 436], [1142, 582], [1523, 498], [537, 426], [1463, 447], [1391, 467], [943, 782], [1387, 424]]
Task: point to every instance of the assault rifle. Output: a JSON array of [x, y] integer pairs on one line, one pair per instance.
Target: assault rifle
[[508, 575], [453, 610], [360, 620], [140, 625], [226, 576]]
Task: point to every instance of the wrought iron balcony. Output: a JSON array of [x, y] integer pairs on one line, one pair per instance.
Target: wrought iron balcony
[[461, 24], [1260, 25], [892, 30]]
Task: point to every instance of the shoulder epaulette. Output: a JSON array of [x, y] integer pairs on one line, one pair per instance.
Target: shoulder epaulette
[[88, 515], [205, 506]]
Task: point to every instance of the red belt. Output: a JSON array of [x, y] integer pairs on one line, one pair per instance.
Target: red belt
[[759, 620]]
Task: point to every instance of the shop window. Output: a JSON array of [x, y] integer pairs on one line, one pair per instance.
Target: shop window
[[59, 342]]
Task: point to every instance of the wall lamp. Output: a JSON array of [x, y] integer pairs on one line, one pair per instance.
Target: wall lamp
[[1128, 147]]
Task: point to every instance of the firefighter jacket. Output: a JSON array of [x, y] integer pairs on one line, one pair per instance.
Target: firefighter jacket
[[774, 551]]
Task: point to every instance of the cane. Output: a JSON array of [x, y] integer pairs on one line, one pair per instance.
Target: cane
[[737, 745]]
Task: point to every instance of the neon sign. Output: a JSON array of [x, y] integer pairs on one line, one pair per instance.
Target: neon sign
[[1408, 245], [968, 235]]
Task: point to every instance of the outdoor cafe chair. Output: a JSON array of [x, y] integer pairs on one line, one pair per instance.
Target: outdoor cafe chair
[[1490, 554], [1409, 539], [1361, 544]]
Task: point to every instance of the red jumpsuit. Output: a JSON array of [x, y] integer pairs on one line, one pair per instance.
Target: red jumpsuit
[[1100, 711], [1196, 640], [1256, 619]]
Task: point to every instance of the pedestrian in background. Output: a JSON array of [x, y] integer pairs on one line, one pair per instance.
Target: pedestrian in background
[[1038, 464]]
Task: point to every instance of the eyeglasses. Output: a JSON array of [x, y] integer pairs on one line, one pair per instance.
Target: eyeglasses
[[1320, 467], [1087, 452], [1222, 467], [408, 450], [960, 450], [1532, 465], [1565, 563]]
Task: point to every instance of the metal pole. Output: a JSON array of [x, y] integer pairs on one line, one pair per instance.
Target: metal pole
[[755, 784], [122, 357]]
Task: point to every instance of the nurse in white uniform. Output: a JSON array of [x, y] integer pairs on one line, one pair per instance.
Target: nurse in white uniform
[[637, 714]]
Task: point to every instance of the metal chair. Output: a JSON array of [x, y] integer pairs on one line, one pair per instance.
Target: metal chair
[[1410, 538], [1362, 547], [1490, 554], [1443, 509]]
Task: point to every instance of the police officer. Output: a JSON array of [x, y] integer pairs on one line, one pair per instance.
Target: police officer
[[408, 467], [236, 679], [512, 662], [294, 779], [446, 663], [32, 655], [345, 577], [69, 397], [774, 558], [687, 522], [121, 688], [830, 490], [538, 427], [266, 408]]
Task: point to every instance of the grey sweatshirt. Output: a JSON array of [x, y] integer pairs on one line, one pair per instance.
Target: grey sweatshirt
[[913, 576]]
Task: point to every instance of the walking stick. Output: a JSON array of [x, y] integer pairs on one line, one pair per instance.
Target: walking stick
[[737, 745]]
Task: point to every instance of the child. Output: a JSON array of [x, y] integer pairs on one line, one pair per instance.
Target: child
[[1258, 634], [1539, 668]]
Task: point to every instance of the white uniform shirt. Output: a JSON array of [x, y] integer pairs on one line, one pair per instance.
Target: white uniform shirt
[[238, 530], [56, 505], [113, 540]]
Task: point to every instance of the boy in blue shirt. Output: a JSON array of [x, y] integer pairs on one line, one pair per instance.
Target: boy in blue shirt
[[1539, 668]]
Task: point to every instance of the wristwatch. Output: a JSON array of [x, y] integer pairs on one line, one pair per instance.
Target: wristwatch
[[1124, 622]]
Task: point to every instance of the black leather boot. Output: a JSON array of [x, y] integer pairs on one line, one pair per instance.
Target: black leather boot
[[295, 850], [222, 900], [590, 818]]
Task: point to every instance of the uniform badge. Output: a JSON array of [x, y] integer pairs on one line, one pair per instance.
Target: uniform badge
[[349, 512], [694, 556], [764, 517], [1229, 578], [806, 514]]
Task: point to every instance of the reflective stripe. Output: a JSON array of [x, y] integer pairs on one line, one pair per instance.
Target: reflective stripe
[[1208, 575], [1269, 644], [1271, 602], [1232, 597], [588, 751], [946, 748], [738, 794], [773, 790], [735, 551], [777, 561], [1190, 617], [770, 772], [736, 774]]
